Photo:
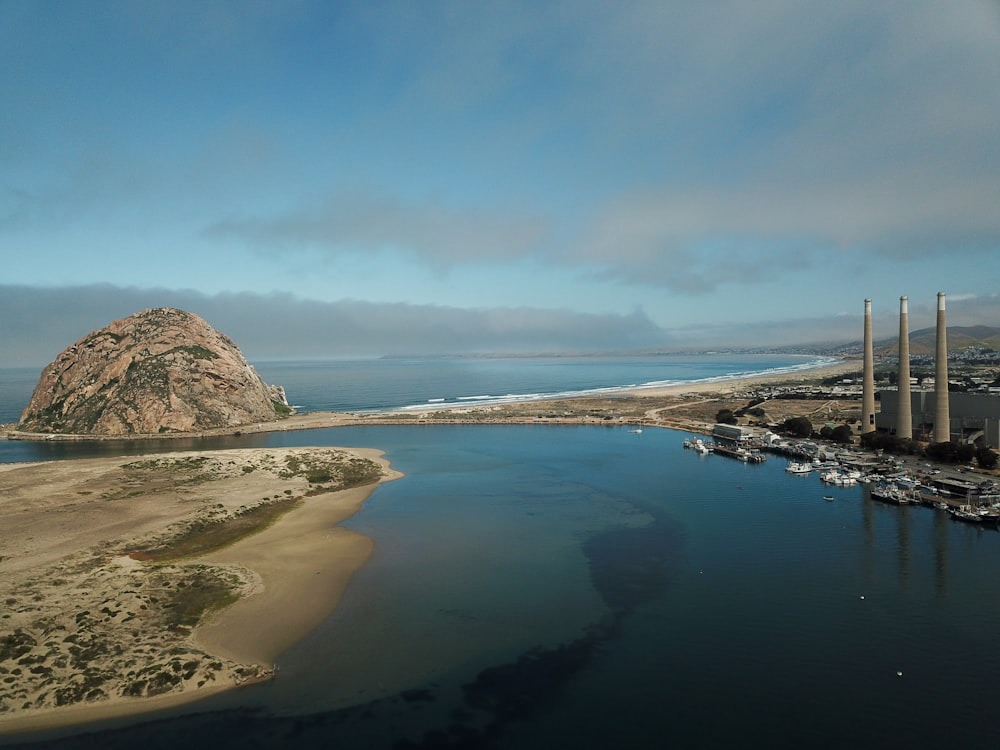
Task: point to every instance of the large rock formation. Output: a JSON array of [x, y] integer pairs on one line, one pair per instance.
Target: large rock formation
[[158, 371]]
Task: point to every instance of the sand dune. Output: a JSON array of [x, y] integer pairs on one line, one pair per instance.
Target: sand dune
[[104, 573]]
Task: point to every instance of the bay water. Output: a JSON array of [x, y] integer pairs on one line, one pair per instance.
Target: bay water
[[594, 587]]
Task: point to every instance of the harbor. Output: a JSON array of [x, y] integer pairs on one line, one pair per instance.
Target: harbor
[[886, 478]]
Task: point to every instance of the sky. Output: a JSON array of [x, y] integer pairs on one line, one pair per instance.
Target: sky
[[322, 179]]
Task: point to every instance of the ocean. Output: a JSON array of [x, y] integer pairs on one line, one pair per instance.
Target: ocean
[[398, 382], [592, 587]]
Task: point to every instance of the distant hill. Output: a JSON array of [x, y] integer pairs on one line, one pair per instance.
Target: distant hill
[[924, 341]]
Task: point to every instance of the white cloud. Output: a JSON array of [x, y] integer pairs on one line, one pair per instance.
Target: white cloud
[[351, 223]]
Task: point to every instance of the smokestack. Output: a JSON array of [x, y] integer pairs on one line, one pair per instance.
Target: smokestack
[[868, 376], [904, 422], [942, 412]]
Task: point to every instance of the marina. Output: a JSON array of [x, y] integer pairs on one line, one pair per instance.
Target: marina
[[882, 476]]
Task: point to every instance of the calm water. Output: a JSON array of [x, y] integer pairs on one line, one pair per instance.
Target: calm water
[[590, 587]]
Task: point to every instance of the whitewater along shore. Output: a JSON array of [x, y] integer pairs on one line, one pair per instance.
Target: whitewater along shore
[[685, 406], [134, 583]]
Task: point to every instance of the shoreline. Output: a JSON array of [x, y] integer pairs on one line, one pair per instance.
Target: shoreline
[[292, 574], [312, 557], [514, 412]]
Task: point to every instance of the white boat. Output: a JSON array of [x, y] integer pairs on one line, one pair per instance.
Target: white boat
[[890, 493], [831, 476], [697, 444], [798, 468]]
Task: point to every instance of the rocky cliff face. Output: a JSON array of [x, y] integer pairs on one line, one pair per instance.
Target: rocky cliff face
[[158, 371]]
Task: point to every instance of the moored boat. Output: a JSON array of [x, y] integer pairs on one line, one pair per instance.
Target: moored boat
[[697, 444]]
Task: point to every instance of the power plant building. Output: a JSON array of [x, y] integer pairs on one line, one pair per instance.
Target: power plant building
[[936, 416], [972, 416]]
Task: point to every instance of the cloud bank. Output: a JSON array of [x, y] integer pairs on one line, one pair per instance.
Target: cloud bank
[[41, 322]]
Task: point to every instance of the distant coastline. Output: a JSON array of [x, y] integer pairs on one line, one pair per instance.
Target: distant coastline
[[814, 369]]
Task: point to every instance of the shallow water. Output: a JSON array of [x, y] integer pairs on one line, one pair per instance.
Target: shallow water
[[600, 588]]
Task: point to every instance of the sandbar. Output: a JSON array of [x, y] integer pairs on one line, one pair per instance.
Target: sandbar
[[99, 613]]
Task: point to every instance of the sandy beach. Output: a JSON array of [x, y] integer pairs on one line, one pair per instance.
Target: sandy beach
[[104, 582]]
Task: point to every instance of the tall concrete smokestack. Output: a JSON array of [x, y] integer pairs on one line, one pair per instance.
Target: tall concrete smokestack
[[904, 422], [868, 376], [942, 411]]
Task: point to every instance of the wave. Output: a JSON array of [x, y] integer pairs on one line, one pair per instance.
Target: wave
[[510, 398]]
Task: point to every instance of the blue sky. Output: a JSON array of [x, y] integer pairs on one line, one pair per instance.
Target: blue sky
[[432, 176]]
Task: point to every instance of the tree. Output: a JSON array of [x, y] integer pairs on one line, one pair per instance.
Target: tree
[[941, 452], [726, 416], [986, 458], [964, 453], [951, 453], [842, 434], [888, 443], [798, 426]]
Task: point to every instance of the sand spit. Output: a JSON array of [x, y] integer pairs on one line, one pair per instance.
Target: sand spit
[[574, 408], [107, 567]]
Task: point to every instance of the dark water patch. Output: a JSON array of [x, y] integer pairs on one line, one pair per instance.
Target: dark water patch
[[628, 567], [631, 566], [417, 695], [518, 691]]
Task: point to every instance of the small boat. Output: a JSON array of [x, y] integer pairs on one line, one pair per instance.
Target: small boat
[[890, 493], [697, 444], [798, 468], [828, 498], [972, 515]]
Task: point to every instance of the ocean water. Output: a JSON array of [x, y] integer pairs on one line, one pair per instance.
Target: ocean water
[[16, 385], [591, 587], [372, 384]]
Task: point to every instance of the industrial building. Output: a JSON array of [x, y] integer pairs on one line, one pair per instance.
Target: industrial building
[[974, 417], [937, 415]]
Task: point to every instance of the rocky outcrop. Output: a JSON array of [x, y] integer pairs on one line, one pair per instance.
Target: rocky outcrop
[[158, 371]]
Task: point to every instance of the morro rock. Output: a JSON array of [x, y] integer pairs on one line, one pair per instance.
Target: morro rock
[[158, 371]]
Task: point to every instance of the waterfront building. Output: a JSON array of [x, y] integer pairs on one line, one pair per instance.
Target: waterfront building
[[735, 434]]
